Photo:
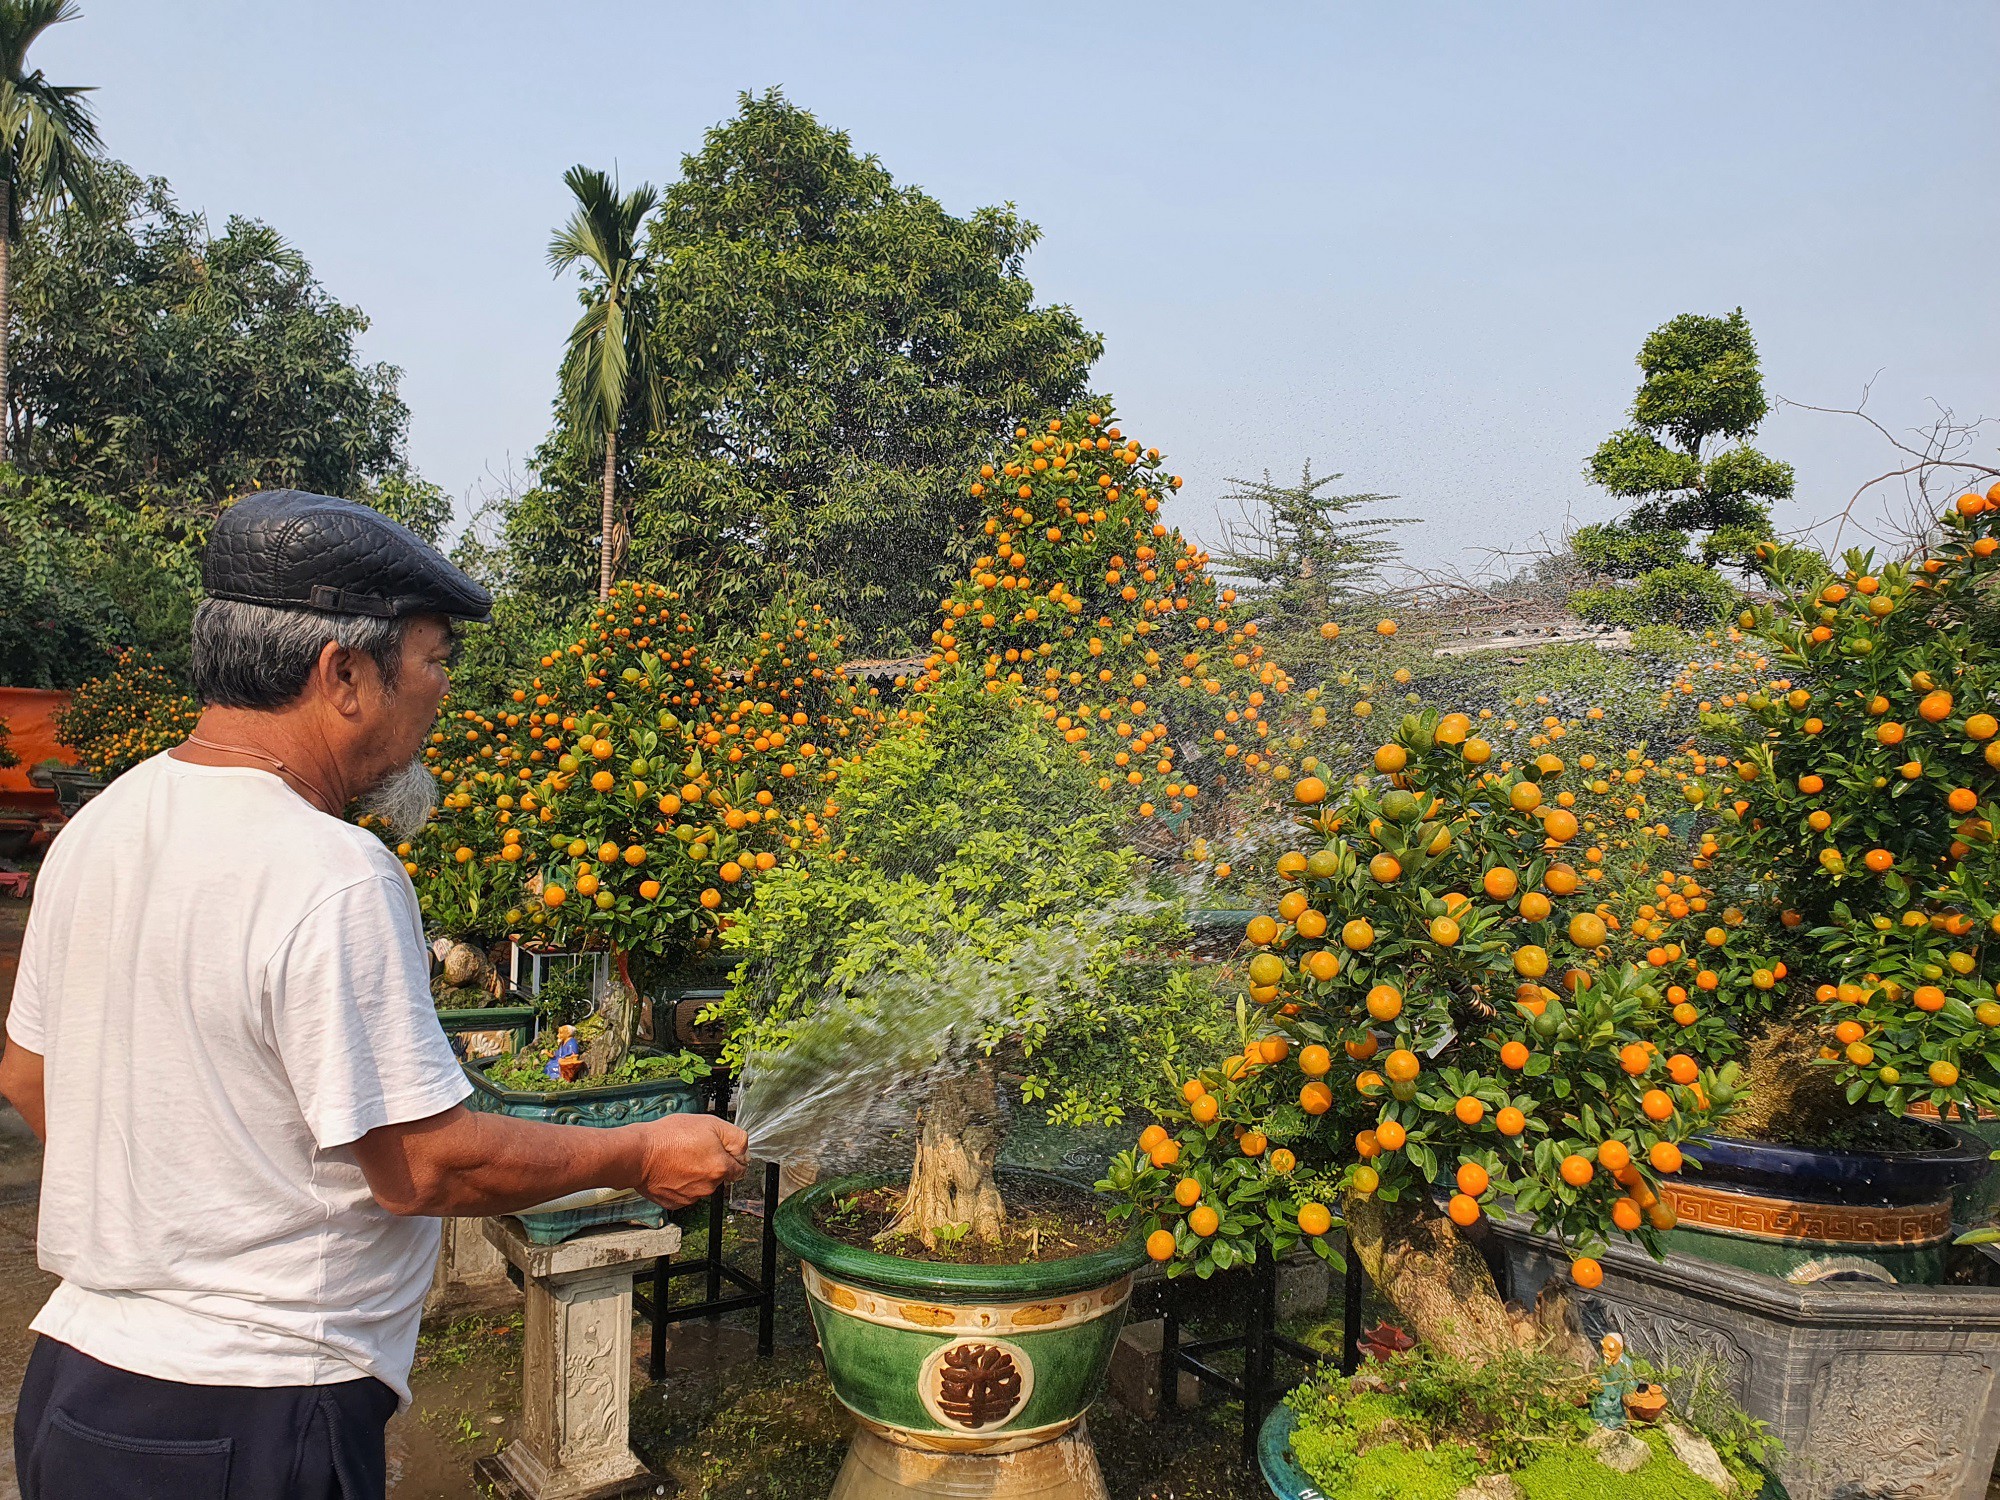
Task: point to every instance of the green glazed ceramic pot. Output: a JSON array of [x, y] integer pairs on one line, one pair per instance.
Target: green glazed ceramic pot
[[959, 1358]]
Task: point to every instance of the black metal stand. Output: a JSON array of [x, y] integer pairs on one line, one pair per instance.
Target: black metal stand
[[660, 1309], [1261, 1343]]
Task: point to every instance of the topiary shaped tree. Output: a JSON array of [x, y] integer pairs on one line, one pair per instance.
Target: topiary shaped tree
[[1688, 461]]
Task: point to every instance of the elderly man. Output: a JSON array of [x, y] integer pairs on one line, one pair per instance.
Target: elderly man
[[222, 1030]]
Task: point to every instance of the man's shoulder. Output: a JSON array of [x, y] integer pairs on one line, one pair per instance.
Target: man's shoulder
[[350, 855], [261, 821]]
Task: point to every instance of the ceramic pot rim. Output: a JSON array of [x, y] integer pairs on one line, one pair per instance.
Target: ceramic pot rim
[[1809, 1174], [643, 1088], [940, 1279]]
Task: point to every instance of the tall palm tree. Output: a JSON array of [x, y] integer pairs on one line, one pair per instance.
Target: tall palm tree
[[607, 362], [47, 141]]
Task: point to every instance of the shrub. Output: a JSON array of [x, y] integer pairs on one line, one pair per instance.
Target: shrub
[[129, 714]]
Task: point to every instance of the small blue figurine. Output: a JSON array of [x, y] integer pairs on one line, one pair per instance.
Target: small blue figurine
[[565, 1047], [1616, 1379]]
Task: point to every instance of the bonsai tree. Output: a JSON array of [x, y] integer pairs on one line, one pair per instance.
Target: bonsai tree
[[1439, 967], [1854, 822], [969, 921], [1686, 458]]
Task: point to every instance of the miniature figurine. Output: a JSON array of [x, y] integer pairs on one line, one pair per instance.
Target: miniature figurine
[[1616, 1379], [566, 1048]]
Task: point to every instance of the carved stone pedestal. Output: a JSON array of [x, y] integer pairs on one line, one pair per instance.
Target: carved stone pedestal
[[576, 1364], [470, 1274]]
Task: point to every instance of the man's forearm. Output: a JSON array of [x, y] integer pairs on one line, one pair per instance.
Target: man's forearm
[[463, 1164], [21, 1077]]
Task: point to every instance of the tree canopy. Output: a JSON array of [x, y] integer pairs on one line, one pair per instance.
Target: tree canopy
[[836, 352], [152, 355], [161, 370]]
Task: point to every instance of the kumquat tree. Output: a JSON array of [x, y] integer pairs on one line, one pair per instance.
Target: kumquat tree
[[131, 712], [1111, 619], [1439, 972], [629, 795], [1855, 821]]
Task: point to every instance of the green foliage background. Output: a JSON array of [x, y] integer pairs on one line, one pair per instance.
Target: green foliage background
[[838, 351]]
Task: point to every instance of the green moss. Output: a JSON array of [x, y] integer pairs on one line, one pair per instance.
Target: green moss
[[1572, 1473], [1397, 1473], [1435, 1424]]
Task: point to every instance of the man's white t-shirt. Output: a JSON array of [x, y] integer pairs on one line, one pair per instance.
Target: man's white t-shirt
[[228, 988]]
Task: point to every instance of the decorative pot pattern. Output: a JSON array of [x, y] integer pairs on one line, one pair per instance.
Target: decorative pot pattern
[[1874, 1389], [954, 1358]]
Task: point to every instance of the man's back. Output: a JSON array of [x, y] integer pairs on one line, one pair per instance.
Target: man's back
[[228, 988]]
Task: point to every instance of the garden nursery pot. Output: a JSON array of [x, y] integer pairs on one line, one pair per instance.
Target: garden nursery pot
[[965, 1379], [1875, 1389], [620, 1104]]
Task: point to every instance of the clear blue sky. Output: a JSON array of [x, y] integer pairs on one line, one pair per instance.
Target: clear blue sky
[[1419, 244]]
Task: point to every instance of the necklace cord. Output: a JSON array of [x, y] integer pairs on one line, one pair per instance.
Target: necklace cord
[[268, 759]]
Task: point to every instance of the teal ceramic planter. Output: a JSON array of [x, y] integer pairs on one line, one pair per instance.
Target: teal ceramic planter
[[959, 1359], [620, 1104]]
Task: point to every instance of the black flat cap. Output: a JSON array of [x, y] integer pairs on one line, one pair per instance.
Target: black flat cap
[[289, 549]]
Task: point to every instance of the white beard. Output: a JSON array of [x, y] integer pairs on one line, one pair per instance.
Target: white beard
[[404, 799]]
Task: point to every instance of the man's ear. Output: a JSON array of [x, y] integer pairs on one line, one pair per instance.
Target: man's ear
[[341, 675]]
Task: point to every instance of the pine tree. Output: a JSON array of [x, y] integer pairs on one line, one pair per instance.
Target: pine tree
[[1300, 553]]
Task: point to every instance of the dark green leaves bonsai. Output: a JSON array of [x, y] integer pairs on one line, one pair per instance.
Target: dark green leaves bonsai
[[1688, 462]]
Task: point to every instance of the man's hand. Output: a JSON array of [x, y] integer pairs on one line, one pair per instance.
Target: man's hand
[[687, 1157]]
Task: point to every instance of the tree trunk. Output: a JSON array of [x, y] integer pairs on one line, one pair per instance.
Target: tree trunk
[[610, 514], [1445, 1295], [6, 313], [958, 1147], [620, 1010]]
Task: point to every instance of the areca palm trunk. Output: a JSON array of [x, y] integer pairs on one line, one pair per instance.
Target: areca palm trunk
[[610, 484], [6, 312]]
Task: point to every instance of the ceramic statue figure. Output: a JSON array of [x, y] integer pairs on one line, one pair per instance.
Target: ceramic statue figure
[[565, 1047], [1616, 1379]]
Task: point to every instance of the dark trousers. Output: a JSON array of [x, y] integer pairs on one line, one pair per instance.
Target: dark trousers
[[86, 1431]]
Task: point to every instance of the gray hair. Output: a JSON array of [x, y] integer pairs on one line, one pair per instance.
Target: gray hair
[[254, 656]]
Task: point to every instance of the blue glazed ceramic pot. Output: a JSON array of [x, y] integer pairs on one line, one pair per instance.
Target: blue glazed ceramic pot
[[1842, 1176]]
